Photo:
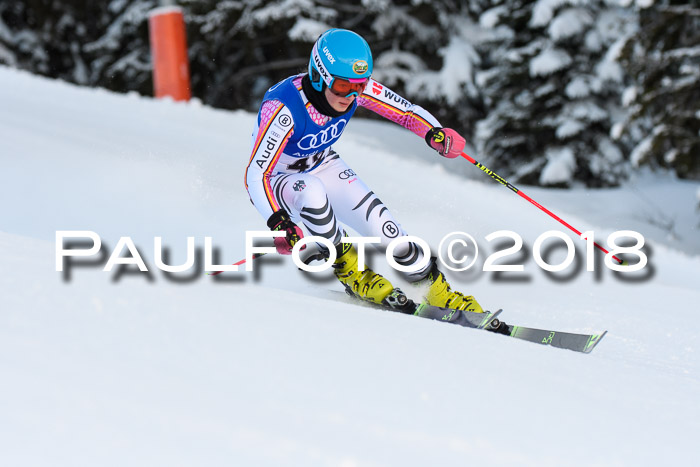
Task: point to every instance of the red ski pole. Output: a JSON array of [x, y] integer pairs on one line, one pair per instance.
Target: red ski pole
[[255, 256], [503, 181]]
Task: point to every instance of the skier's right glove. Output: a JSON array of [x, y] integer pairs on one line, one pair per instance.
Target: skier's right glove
[[446, 141], [280, 222]]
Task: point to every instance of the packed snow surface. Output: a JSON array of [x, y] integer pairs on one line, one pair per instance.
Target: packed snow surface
[[276, 367]]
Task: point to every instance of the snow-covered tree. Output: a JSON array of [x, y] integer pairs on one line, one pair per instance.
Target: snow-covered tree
[[89, 43], [240, 48], [427, 51], [552, 91], [537, 85], [663, 127], [120, 56], [45, 36]]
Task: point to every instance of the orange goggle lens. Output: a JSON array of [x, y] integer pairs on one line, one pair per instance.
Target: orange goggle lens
[[342, 87]]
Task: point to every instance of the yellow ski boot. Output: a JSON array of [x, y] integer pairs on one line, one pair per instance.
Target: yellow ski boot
[[366, 285], [441, 294]]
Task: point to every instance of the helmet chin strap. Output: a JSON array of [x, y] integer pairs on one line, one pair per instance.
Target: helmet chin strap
[[318, 99]]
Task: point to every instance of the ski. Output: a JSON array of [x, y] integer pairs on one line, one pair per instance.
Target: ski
[[489, 321], [399, 302], [467, 319], [562, 340]]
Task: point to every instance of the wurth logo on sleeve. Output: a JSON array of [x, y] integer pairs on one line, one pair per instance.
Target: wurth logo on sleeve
[[396, 98], [376, 88]]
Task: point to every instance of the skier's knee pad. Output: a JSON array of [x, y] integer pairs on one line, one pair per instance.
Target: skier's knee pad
[[314, 210], [310, 194]]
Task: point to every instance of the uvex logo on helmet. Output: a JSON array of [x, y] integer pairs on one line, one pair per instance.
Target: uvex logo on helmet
[[360, 67], [328, 55], [319, 65]]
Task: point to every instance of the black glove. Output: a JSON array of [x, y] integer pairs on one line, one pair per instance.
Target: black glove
[[446, 141], [279, 221]]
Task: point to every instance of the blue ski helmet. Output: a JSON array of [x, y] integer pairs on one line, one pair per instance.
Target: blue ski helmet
[[341, 53]]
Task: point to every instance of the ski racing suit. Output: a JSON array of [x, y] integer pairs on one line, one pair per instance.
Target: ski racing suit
[[294, 167]]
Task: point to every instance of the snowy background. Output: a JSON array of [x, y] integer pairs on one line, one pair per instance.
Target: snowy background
[[555, 93], [276, 367]]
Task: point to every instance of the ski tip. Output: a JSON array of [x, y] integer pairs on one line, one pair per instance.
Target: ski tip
[[593, 341]]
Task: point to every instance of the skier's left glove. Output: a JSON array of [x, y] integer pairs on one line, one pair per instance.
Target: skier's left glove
[[279, 221], [446, 141]]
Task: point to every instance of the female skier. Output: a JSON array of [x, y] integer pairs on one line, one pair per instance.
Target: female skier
[[295, 177]]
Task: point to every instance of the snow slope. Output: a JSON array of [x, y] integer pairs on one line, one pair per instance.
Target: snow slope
[[275, 367]]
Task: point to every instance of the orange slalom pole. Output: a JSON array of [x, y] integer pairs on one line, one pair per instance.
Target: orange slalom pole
[[171, 73]]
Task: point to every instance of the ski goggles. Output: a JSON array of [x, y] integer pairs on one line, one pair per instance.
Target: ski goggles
[[343, 87]]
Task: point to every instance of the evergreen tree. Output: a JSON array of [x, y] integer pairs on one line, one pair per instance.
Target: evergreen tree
[[541, 77], [89, 43], [663, 127], [238, 49], [45, 36], [551, 89], [120, 58], [426, 51]]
